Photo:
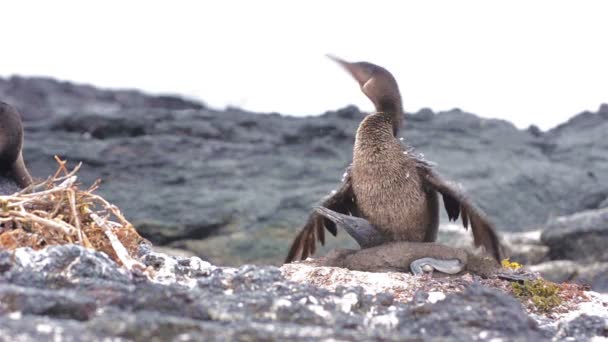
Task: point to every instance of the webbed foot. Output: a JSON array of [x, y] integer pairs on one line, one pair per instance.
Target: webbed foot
[[428, 264]]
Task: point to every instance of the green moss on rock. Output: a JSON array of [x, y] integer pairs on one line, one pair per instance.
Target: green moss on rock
[[543, 294]]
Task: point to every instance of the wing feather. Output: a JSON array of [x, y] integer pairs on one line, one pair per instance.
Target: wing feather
[[456, 202], [341, 201]]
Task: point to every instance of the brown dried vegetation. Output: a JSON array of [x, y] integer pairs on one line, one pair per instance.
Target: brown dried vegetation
[[56, 211]]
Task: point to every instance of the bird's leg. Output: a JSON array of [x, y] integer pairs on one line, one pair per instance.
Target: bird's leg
[[358, 228], [428, 264]]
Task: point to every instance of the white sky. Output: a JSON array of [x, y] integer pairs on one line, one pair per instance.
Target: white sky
[[525, 61]]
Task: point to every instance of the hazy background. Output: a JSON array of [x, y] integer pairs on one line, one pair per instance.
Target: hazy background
[[528, 62]]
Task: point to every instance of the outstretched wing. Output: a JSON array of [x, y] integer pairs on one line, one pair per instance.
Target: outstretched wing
[[341, 201], [457, 203]]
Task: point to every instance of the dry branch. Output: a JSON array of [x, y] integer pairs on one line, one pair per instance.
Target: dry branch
[[56, 211]]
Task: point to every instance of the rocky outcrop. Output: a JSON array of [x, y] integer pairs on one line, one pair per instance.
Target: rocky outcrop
[[577, 249], [70, 293], [593, 274], [566, 249], [41, 97], [580, 237], [184, 172]]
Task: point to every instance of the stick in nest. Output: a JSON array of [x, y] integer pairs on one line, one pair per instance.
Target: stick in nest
[[56, 211]]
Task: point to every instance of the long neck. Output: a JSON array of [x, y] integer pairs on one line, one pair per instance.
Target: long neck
[[374, 132], [392, 107]]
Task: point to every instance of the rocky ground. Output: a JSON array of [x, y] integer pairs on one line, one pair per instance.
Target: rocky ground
[[68, 293]]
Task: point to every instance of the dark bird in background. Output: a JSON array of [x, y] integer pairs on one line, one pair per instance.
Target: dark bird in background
[[14, 176], [388, 185]]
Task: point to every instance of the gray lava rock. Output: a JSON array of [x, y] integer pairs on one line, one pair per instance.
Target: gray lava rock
[[592, 274], [584, 328], [71, 293], [500, 317], [228, 175], [39, 97], [557, 271], [582, 236], [528, 254], [526, 247], [100, 127]]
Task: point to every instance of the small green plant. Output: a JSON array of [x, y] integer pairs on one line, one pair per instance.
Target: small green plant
[[543, 294]]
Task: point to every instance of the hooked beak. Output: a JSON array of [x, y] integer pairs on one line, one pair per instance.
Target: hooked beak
[[358, 71], [330, 215]]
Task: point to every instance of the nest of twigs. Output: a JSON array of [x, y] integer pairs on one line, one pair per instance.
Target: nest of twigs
[[56, 211]]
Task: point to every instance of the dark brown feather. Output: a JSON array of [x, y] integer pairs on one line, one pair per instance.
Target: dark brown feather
[[12, 166], [452, 207], [321, 234], [296, 246], [311, 241], [342, 201], [465, 218], [484, 233]]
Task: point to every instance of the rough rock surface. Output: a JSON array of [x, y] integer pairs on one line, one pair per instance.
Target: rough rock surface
[[581, 237], [527, 248], [568, 248], [184, 172], [42, 97], [594, 274], [70, 293]]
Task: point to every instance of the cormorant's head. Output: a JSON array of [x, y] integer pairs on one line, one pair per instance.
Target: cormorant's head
[[358, 228], [376, 83]]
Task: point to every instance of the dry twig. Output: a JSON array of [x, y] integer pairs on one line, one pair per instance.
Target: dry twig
[[56, 211]]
